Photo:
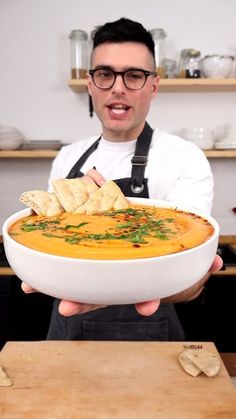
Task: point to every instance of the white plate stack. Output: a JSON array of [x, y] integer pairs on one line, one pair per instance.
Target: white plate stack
[[43, 145], [229, 140]]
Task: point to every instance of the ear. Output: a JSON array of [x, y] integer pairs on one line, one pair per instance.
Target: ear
[[155, 86], [89, 82]]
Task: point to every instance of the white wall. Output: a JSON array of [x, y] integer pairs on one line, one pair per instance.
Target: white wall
[[35, 68]]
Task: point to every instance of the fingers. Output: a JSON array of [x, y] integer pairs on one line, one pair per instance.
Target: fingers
[[94, 176], [70, 308], [148, 308], [26, 288], [217, 264]]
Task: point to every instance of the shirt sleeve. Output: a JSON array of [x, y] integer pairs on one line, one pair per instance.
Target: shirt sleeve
[[194, 185]]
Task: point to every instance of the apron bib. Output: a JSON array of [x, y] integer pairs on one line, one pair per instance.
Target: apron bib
[[121, 322]]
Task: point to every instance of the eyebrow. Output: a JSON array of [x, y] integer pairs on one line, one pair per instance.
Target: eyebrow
[[107, 67]]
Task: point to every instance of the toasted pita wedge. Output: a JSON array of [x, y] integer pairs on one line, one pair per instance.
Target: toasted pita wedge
[[72, 193], [106, 198], [188, 366], [5, 381], [206, 361], [43, 203]]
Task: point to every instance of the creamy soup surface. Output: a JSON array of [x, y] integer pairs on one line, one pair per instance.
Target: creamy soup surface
[[137, 232]]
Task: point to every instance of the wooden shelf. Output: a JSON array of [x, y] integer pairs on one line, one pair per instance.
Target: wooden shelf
[[28, 154], [229, 271], [176, 85], [220, 154], [228, 239], [50, 154], [6, 272]]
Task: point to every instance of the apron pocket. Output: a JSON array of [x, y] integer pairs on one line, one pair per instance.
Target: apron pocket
[[125, 331]]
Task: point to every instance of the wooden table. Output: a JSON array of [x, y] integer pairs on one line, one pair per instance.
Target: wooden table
[[104, 380]]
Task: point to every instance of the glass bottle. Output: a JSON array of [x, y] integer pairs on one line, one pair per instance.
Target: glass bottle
[[159, 36], [79, 53], [189, 63]]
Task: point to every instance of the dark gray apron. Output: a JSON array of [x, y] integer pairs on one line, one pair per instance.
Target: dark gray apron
[[121, 322]]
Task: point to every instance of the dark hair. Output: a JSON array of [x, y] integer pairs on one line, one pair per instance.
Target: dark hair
[[123, 30]]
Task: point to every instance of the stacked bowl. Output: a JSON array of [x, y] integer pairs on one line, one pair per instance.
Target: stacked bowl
[[217, 66], [202, 137], [229, 140], [10, 138]]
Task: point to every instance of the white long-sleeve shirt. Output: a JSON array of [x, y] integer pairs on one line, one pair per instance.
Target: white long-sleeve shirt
[[177, 170]]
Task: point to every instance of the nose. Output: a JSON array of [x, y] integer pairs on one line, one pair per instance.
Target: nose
[[119, 85]]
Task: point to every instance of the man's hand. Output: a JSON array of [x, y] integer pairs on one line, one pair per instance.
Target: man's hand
[[194, 291], [69, 308], [94, 176]]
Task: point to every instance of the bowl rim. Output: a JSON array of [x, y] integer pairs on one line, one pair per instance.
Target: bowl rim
[[219, 56], [148, 201]]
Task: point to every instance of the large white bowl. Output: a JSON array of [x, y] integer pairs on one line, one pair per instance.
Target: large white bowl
[[202, 137], [111, 281], [217, 66], [10, 138]]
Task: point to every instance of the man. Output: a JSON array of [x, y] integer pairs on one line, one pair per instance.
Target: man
[[144, 163]]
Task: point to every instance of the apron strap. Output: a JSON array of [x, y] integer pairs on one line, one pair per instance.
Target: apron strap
[[75, 171], [139, 160]]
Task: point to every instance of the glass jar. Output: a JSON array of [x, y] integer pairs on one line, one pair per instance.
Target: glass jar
[[79, 53], [189, 66], [170, 67], [159, 36]]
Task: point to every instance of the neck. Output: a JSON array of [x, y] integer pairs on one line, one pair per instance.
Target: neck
[[122, 136]]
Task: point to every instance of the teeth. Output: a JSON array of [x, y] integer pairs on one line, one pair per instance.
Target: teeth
[[118, 111]]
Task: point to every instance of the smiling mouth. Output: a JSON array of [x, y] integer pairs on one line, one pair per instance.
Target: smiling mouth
[[118, 109]]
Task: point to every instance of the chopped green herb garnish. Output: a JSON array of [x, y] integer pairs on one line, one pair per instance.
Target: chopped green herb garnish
[[40, 225], [52, 235], [135, 224], [125, 225], [106, 236], [72, 240], [68, 226]]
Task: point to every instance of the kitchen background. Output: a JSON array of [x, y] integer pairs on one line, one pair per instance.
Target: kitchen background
[[36, 99]]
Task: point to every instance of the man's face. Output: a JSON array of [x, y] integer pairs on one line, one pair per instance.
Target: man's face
[[122, 111]]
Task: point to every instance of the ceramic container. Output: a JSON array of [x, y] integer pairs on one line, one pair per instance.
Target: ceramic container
[[10, 138], [202, 137], [111, 281], [217, 66]]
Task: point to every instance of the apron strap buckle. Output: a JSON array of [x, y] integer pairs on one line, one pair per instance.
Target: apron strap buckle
[[136, 188], [139, 160]]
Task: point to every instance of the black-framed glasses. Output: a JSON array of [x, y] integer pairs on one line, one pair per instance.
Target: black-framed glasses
[[133, 79]]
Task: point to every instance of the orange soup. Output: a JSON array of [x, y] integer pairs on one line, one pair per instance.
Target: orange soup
[[136, 232]]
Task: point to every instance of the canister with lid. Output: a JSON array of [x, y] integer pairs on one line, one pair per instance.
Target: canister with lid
[[79, 53], [189, 63], [159, 35]]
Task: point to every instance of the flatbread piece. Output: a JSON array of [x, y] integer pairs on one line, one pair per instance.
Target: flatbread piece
[[188, 366], [108, 197], [72, 193], [43, 203], [5, 381], [75, 196], [201, 360]]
